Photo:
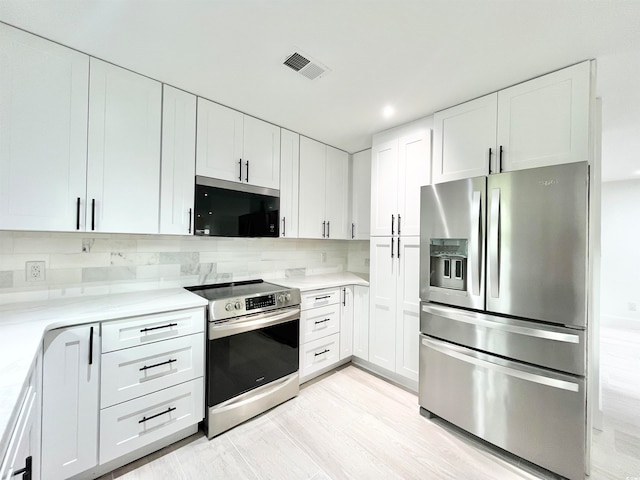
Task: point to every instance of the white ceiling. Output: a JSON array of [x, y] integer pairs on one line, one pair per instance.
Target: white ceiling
[[419, 56]]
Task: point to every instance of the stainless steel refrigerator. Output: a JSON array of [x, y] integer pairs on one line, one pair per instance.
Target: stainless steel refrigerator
[[503, 285]]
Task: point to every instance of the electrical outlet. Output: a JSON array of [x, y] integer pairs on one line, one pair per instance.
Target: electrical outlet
[[35, 271], [323, 257]]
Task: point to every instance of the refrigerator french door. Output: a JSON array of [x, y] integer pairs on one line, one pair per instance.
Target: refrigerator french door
[[503, 284]]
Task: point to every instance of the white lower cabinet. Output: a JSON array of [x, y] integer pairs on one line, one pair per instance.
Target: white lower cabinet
[[346, 322], [319, 354], [361, 322], [319, 322]]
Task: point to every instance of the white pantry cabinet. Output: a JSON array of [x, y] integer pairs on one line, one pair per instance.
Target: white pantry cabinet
[[324, 191], [43, 133], [361, 195], [361, 322], [70, 401], [400, 165], [236, 147], [289, 172], [178, 162], [540, 122], [123, 170]]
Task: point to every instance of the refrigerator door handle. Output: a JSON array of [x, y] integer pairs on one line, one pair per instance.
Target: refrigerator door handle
[[461, 354], [494, 243], [474, 252]]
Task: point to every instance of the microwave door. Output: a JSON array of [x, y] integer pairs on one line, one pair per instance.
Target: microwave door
[[452, 220]]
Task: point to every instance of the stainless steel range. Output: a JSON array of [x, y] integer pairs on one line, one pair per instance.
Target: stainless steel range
[[252, 350]]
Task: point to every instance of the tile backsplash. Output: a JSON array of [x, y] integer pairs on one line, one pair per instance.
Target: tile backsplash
[[80, 264]]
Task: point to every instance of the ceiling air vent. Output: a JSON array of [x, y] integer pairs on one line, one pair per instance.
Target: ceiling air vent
[[305, 66]]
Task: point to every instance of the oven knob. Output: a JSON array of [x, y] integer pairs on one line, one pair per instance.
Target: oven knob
[[238, 305], [281, 298], [288, 296], [228, 307]]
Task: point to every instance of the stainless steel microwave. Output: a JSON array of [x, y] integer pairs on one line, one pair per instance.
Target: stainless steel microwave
[[231, 209]]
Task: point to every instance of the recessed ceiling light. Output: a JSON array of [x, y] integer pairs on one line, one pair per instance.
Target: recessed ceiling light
[[388, 111]]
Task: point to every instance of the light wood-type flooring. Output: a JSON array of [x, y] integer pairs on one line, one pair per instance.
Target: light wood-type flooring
[[349, 424]]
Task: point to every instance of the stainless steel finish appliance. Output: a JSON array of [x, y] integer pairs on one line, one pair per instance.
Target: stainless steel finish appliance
[[503, 284], [252, 350]]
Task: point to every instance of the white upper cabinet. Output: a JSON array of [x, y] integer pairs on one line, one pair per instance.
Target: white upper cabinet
[[361, 196], [178, 161], [541, 122], [236, 147], [289, 171], [324, 191], [545, 121], [43, 133], [400, 165], [464, 139], [123, 170]]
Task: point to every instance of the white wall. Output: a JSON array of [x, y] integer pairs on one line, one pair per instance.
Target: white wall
[[620, 268]]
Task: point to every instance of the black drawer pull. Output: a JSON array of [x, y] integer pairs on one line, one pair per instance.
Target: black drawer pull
[[322, 352], [323, 297], [144, 419], [157, 328], [27, 470], [171, 360], [322, 321]]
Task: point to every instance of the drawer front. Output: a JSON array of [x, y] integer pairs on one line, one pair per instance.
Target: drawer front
[[135, 331], [319, 322], [139, 422], [138, 371], [319, 354], [320, 298]]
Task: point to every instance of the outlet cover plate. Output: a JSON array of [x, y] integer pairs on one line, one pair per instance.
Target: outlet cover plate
[[35, 271]]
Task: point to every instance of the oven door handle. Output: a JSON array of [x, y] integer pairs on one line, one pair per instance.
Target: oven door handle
[[246, 324]]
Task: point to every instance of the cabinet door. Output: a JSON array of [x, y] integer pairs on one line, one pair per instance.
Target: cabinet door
[[289, 171], [361, 322], [384, 187], [545, 121], [43, 133], [311, 219], [382, 322], [346, 322], [70, 401], [262, 152], [414, 160], [178, 161], [361, 196], [462, 138], [337, 194], [408, 308], [123, 170], [219, 142]]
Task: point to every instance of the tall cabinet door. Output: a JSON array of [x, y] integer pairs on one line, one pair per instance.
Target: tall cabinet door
[[262, 152], [178, 161], [337, 194], [43, 133], [408, 307], [382, 321], [545, 121], [123, 172], [384, 184], [464, 140], [413, 164], [70, 401], [312, 188], [289, 171]]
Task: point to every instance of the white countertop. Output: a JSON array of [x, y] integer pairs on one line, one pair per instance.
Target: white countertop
[[328, 280], [23, 325]]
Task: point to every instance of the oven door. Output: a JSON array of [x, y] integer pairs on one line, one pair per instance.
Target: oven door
[[251, 351]]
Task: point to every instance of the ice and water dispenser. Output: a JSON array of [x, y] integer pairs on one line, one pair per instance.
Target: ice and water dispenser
[[448, 263]]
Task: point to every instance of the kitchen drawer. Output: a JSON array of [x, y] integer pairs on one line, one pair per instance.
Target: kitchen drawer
[[142, 421], [135, 331], [319, 322], [321, 353], [133, 372], [320, 298]]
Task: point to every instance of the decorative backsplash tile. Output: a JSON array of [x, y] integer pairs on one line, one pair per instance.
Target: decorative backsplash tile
[[81, 264]]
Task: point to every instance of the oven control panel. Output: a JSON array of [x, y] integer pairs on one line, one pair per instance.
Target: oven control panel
[[260, 302]]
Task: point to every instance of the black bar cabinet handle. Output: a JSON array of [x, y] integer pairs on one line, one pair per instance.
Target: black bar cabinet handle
[[247, 165], [353, 229], [322, 352], [78, 214], [393, 218], [91, 346], [398, 247], [500, 157], [168, 410], [93, 214], [392, 242], [26, 471], [323, 229], [171, 360], [240, 169], [148, 329], [323, 297], [328, 231], [490, 152], [344, 298], [318, 322], [284, 226], [399, 223], [190, 213]]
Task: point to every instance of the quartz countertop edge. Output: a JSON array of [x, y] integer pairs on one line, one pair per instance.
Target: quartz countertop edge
[[327, 280], [23, 326]]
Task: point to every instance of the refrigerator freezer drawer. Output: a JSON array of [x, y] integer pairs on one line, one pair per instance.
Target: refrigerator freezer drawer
[[548, 346], [530, 412]]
